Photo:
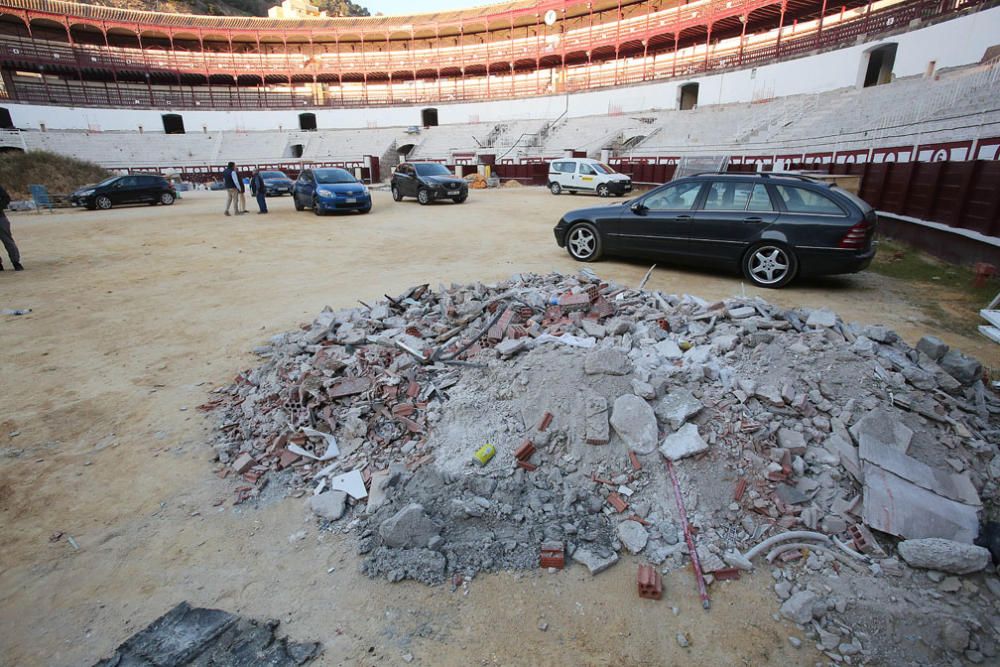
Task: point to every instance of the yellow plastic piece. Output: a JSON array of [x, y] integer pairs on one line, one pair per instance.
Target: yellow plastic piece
[[484, 454]]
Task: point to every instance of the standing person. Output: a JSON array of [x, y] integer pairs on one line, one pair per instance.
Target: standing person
[[233, 187], [244, 184], [259, 190], [5, 236]]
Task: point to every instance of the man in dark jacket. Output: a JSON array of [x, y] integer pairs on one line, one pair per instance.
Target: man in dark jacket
[[234, 186], [258, 188], [5, 236]]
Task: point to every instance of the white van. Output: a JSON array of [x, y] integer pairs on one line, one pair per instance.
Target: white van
[[581, 174]]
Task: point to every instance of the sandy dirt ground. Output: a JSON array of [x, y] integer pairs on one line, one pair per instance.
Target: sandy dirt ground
[[139, 312]]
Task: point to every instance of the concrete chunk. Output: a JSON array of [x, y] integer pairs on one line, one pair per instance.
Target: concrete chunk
[[677, 407], [635, 423], [799, 607], [511, 346], [607, 361], [822, 318], [633, 535], [596, 428], [933, 347], [685, 442], [884, 428], [668, 349], [330, 505], [408, 528], [593, 561], [944, 555], [895, 506], [948, 484], [964, 369]]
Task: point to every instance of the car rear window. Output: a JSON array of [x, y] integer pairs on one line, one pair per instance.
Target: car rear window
[[801, 200]]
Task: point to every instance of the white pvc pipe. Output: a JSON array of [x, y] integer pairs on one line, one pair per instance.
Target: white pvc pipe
[[781, 537], [782, 548]]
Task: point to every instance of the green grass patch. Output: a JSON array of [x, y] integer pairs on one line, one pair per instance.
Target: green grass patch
[[945, 292]]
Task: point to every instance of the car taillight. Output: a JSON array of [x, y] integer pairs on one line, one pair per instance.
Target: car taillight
[[856, 236]]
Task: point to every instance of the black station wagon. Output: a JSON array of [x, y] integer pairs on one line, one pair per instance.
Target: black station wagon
[[773, 227]]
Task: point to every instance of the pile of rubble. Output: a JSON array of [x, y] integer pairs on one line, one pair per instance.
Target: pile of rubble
[[467, 428]]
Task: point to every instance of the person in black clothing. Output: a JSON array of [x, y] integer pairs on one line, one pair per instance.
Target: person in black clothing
[[5, 236], [259, 190], [234, 188]]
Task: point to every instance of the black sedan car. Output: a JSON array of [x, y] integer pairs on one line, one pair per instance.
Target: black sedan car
[[276, 183], [149, 189], [772, 227], [428, 181]]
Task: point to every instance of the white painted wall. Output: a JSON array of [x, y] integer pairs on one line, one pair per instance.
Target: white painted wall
[[960, 41]]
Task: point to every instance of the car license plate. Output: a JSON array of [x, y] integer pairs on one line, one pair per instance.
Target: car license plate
[[350, 200], [452, 193]]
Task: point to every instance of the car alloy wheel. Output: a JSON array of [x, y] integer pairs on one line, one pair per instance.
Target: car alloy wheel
[[396, 195], [769, 265], [315, 208], [424, 197], [459, 199], [166, 199], [583, 243], [603, 191], [104, 202], [555, 188]]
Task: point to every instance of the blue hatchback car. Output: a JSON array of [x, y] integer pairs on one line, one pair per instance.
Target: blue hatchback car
[[330, 189]]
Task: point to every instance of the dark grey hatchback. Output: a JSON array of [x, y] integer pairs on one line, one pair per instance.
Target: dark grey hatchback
[[772, 226]]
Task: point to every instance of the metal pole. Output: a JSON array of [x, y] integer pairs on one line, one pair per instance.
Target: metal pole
[[706, 603]]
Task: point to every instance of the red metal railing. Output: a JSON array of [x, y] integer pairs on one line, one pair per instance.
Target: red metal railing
[[344, 84]]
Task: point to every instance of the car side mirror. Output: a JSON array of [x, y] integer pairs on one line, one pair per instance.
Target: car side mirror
[[639, 208]]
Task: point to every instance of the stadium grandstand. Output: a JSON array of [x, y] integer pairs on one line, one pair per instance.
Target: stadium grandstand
[[655, 87]]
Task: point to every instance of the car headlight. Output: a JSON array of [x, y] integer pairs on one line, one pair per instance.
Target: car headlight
[[325, 191], [86, 193]]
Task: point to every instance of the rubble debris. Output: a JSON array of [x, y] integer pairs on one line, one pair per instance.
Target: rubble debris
[[944, 555], [188, 635], [824, 443]]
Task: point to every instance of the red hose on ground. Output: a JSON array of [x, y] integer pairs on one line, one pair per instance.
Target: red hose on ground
[[702, 589]]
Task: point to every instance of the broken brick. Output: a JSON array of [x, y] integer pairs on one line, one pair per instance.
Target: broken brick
[[726, 574], [574, 302], [530, 467], [525, 451], [545, 421], [617, 502], [650, 583], [287, 458], [552, 554], [497, 331], [634, 460], [741, 488], [243, 463]]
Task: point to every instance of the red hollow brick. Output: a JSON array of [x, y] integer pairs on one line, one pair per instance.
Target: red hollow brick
[[650, 583], [552, 554], [726, 574]]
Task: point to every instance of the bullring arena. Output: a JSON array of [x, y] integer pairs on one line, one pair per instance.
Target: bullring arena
[[427, 434]]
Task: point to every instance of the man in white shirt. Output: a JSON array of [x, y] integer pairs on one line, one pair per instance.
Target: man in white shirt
[[234, 189]]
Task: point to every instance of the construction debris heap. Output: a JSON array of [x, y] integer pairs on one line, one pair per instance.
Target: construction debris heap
[[486, 427]]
